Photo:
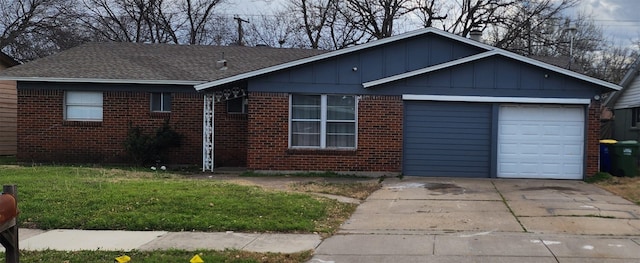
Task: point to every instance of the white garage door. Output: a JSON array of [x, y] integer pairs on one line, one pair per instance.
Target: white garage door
[[541, 141]]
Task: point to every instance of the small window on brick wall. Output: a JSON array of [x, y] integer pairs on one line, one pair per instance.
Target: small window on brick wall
[[83, 106], [161, 102], [323, 121], [238, 106]]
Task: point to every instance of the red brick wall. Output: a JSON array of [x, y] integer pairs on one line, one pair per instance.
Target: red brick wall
[[44, 136], [230, 137], [593, 138], [379, 137]]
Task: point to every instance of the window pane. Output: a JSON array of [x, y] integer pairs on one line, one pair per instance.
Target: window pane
[[305, 100], [341, 134], [305, 133], [341, 108], [84, 98], [341, 140], [305, 107], [166, 101], [338, 127], [235, 105], [307, 127], [84, 112], [305, 140], [156, 102], [306, 112], [341, 100], [341, 113]]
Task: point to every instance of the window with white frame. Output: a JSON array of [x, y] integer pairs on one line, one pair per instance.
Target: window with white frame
[[161, 101], [83, 106], [238, 105], [323, 121]]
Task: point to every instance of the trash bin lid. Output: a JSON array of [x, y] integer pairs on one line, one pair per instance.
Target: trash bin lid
[[608, 141], [628, 142]]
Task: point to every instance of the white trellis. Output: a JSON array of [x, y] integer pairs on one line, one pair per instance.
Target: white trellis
[[208, 132], [208, 129]]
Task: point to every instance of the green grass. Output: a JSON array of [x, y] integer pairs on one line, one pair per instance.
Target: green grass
[[598, 177], [98, 198], [159, 256]]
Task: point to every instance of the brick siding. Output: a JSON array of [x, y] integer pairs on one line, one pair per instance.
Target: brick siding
[[44, 136], [379, 137], [593, 139], [230, 137]]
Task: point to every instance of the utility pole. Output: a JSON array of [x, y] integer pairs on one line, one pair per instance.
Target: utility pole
[[240, 33]]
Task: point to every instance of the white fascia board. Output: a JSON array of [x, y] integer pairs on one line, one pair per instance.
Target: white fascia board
[[496, 99], [110, 81], [340, 52], [427, 69]]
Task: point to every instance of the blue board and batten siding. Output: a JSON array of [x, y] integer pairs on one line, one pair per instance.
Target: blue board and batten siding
[[440, 136], [337, 75]]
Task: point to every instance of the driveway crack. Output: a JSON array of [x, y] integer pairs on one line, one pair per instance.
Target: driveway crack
[[504, 201]]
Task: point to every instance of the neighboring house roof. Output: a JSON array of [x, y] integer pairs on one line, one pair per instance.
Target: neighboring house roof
[[117, 62], [626, 85], [493, 50], [7, 61]]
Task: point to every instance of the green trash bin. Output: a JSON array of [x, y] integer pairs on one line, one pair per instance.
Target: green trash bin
[[624, 158]]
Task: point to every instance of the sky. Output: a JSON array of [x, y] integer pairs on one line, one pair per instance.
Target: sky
[[619, 19]]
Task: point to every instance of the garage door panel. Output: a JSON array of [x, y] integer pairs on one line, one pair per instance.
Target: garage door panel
[[447, 139], [540, 141]]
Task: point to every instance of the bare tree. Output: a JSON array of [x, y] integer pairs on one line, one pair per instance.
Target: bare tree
[[376, 17], [467, 15], [313, 17], [279, 30], [429, 11], [35, 28], [532, 27], [154, 21], [198, 15]]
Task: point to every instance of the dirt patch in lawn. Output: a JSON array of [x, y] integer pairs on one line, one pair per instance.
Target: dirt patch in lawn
[[627, 187]]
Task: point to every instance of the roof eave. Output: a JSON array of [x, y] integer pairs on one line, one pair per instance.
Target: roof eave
[[106, 81]]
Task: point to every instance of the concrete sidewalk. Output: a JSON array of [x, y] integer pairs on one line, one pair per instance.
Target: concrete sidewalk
[[74, 240]]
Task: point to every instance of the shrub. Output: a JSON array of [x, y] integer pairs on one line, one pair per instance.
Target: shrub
[[149, 148]]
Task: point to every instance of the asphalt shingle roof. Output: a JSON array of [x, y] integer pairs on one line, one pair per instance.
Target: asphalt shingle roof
[[136, 61]]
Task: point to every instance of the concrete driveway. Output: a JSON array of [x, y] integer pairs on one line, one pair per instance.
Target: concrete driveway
[[487, 220]]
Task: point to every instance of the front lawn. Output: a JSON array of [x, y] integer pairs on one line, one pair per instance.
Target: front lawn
[[626, 187], [120, 199]]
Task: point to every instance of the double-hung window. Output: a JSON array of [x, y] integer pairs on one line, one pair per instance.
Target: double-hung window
[[161, 101], [83, 106], [323, 121]]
